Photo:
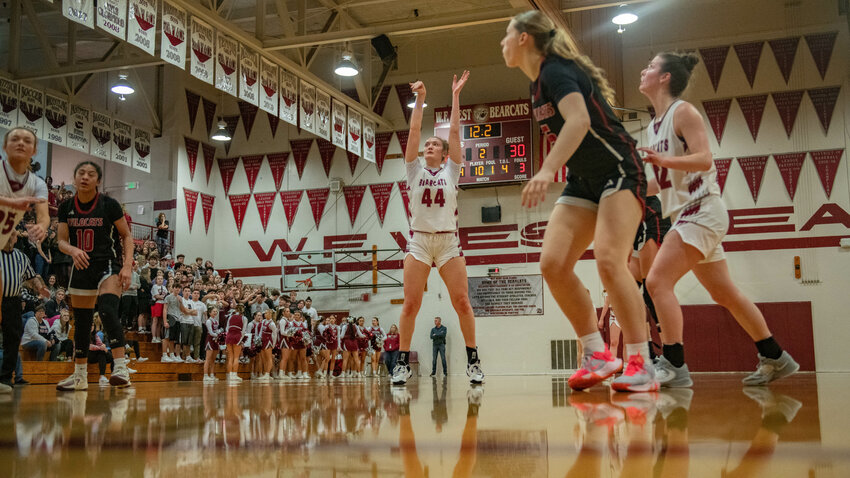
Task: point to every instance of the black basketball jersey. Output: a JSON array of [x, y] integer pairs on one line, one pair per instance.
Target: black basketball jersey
[[606, 144], [91, 226]]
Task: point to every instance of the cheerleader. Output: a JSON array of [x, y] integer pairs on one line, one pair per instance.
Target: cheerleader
[[254, 346], [330, 338], [283, 323], [267, 332], [363, 346], [684, 173], [237, 326], [322, 355], [433, 231], [376, 344], [300, 335], [350, 350], [602, 201], [211, 345]]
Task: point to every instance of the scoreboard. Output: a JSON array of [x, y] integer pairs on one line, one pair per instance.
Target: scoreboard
[[495, 141]]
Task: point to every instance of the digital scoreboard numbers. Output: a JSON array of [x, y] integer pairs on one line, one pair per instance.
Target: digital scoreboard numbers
[[495, 141]]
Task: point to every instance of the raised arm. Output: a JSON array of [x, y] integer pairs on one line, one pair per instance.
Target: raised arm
[[454, 124], [412, 151]]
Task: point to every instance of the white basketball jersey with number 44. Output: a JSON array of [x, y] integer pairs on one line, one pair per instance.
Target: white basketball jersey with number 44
[[433, 196], [10, 217]]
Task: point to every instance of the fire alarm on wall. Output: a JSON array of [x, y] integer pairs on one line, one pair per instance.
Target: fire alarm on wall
[[493, 272]]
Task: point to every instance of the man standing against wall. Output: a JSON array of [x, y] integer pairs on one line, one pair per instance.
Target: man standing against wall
[[438, 338]]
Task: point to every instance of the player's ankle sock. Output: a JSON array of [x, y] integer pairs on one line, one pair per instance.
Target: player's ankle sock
[[403, 357], [592, 342], [471, 355], [641, 349], [769, 348], [675, 354]]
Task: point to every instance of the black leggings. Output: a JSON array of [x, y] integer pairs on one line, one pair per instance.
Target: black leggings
[[66, 346], [101, 358]]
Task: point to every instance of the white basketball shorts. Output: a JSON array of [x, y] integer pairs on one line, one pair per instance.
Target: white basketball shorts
[[436, 248], [703, 224]]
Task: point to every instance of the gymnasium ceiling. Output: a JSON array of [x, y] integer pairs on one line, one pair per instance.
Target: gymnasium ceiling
[[40, 47]]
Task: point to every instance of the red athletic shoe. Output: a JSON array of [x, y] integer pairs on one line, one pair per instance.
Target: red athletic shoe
[[595, 368]]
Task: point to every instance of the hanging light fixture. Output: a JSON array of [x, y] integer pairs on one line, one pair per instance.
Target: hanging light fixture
[[624, 16], [346, 66], [412, 103], [221, 133], [122, 86]]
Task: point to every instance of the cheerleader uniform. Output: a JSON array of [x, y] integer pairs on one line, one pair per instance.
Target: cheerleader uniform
[[349, 338], [691, 199], [267, 332], [330, 336], [433, 207], [283, 334], [377, 334], [363, 339], [236, 325], [297, 340], [212, 334]]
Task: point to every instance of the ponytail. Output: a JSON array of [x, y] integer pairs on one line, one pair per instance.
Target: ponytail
[[551, 40]]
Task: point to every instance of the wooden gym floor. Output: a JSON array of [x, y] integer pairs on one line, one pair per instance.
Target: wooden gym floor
[[513, 426]]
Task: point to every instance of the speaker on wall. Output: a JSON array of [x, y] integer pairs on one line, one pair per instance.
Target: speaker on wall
[[491, 214]]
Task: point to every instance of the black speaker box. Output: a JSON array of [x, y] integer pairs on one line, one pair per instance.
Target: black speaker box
[[491, 214], [384, 47]]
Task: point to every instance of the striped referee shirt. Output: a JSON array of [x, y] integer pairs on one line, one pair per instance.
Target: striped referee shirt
[[16, 269]]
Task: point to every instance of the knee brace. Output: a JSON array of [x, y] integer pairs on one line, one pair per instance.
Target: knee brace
[[82, 332], [107, 307]]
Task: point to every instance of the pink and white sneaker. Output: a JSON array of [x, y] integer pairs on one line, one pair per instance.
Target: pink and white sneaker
[[595, 368], [637, 378]]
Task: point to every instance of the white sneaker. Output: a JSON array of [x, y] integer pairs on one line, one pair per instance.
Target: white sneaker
[[103, 382], [120, 377], [142, 359], [473, 371], [156, 340], [401, 374], [77, 381], [176, 359], [292, 376], [130, 370], [234, 377], [165, 359], [6, 389], [208, 379]]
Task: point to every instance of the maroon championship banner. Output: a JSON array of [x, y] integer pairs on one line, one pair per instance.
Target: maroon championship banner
[[230, 123], [722, 165], [717, 112], [753, 109], [318, 199], [252, 165], [790, 165], [192, 101], [300, 150], [382, 144], [405, 94], [749, 55], [265, 203], [784, 50], [352, 161], [249, 114], [192, 154], [209, 113], [353, 200], [823, 99], [227, 167], [714, 59], [277, 163], [290, 201], [326, 152], [207, 202], [239, 204], [381, 195], [405, 197], [191, 202], [788, 105], [826, 164], [402, 140], [274, 121], [209, 159], [821, 45], [381, 102], [753, 168]]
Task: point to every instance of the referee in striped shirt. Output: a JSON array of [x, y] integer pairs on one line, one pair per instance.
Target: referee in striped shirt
[[17, 271]]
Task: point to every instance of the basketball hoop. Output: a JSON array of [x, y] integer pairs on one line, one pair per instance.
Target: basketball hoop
[[306, 283]]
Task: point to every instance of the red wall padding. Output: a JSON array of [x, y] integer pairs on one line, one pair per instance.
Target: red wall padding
[[714, 342]]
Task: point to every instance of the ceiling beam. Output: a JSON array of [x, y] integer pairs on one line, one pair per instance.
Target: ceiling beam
[[90, 67], [46, 47]]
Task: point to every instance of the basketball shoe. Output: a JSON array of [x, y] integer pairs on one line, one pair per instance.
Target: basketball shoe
[[638, 377], [770, 369], [595, 368], [77, 381], [473, 371], [401, 374], [120, 376], [671, 376]]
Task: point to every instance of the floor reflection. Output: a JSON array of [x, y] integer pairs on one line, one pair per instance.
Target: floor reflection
[[512, 426]]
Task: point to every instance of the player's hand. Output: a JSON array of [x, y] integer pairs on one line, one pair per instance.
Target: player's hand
[[44, 292], [81, 259], [36, 232], [457, 85], [418, 88], [534, 191], [652, 157], [22, 203], [125, 275]]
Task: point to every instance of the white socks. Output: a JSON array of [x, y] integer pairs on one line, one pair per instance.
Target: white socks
[[592, 343], [120, 362], [81, 369], [640, 348]]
